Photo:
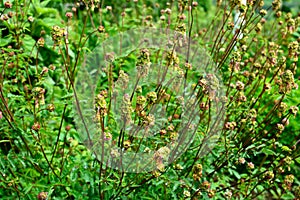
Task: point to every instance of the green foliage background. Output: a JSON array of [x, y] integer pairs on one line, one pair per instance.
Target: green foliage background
[[42, 152]]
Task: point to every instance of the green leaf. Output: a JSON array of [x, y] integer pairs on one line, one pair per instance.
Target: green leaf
[[27, 189], [5, 40], [11, 161], [236, 174], [68, 96], [260, 188], [51, 22], [46, 11], [49, 83], [287, 196], [298, 160], [45, 3], [71, 53], [268, 151], [175, 186], [159, 182], [28, 44]]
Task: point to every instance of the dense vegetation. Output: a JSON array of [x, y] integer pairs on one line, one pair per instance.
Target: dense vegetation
[[143, 99]]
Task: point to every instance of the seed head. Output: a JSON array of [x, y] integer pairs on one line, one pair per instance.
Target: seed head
[[50, 107], [42, 195], [294, 110], [168, 11], [162, 18], [240, 85], [7, 4], [242, 160], [30, 19], [263, 12], [68, 128], [268, 175], [36, 126], [195, 4], [250, 165], [41, 42], [69, 15], [151, 97], [276, 4]]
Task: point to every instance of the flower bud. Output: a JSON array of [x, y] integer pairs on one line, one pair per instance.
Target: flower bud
[[41, 42], [36, 126]]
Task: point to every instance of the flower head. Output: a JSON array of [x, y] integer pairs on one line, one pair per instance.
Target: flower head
[[69, 15]]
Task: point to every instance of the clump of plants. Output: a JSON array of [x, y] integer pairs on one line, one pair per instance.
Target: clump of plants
[[146, 100]]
